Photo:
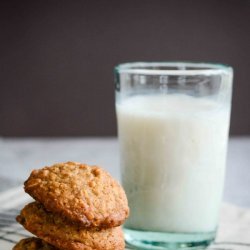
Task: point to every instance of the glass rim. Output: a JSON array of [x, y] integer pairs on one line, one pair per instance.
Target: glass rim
[[198, 68]]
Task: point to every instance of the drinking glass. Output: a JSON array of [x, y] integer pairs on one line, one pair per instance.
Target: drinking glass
[[173, 121]]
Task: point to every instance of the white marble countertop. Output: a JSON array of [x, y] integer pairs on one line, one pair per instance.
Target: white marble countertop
[[19, 156]]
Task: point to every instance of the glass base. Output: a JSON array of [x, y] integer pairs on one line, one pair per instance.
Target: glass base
[[171, 241]]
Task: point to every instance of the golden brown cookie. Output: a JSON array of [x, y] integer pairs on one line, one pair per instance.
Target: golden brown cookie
[[65, 235], [84, 194], [33, 244]]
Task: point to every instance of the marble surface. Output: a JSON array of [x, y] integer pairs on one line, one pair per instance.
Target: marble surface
[[233, 230], [19, 156]]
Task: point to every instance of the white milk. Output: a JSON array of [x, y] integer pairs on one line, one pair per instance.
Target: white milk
[[173, 151]]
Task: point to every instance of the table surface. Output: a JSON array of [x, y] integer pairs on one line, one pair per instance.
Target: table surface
[[19, 156]]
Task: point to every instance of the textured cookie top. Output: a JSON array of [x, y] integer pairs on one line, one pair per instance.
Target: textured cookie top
[[62, 234], [84, 194], [33, 244]]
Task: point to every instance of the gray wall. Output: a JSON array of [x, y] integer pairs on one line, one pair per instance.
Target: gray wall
[[57, 57]]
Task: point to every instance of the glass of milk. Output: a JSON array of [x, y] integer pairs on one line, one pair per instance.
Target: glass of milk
[[173, 121]]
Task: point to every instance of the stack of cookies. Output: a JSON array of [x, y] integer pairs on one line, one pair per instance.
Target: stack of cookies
[[77, 207]]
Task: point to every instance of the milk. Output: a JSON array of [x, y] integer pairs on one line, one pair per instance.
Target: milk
[[173, 150]]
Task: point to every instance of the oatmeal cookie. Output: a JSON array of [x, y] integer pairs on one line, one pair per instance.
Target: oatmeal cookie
[[65, 235], [84, 194], [33, 244]]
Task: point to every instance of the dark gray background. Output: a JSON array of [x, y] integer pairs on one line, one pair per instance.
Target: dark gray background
[[57, 57]]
